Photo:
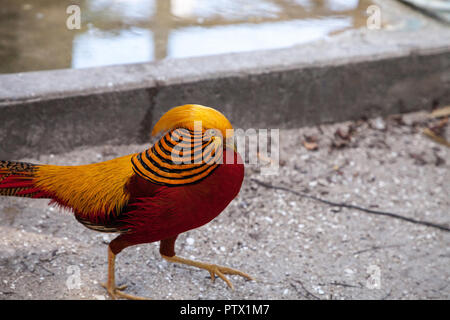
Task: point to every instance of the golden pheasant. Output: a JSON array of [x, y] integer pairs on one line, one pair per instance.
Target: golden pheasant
[[182, 182]]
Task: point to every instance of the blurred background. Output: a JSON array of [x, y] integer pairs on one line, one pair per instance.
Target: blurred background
[[33, 36]]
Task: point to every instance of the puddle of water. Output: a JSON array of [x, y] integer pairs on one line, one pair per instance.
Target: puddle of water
[[34, 36]]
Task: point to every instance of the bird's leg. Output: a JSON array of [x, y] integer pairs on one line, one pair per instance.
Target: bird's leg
[[110, 285], [168, 253]]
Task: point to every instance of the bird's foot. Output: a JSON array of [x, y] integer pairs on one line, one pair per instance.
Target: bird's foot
[[116, 292], [213, 269], [220, 271]]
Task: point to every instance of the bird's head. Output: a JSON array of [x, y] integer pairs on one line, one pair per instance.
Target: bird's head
[[198, 117]]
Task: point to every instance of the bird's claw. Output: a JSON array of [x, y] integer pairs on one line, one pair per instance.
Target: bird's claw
[[116, 292], [220, 271], [104, 285]]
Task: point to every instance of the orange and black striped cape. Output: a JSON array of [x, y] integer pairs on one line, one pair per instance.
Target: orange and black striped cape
[[180, 157]]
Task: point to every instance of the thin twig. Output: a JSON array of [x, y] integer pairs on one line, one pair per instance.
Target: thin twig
[[341, 284], [298, 291], [304, 289], [351, 206], [377, 248]]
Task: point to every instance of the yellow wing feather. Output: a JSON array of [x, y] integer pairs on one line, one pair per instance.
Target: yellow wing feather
[[88, 189]]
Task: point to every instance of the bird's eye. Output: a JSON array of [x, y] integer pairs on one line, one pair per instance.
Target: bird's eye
[[212, 132]]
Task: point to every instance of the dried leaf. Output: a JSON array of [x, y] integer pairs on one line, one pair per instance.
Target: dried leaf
[[309, 138], [438, 127], [418, 159], [311, 146], [265, 159], [339, 143], [442, 112], [397, 119], [341, 134], [430, 134]]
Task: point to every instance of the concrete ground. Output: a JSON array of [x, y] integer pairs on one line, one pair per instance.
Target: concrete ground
[[296, 248]]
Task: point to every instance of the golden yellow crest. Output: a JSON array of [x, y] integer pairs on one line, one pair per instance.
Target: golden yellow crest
[[186, 117]]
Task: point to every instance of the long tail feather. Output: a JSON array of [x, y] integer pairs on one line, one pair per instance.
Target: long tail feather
[[17, 179]]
